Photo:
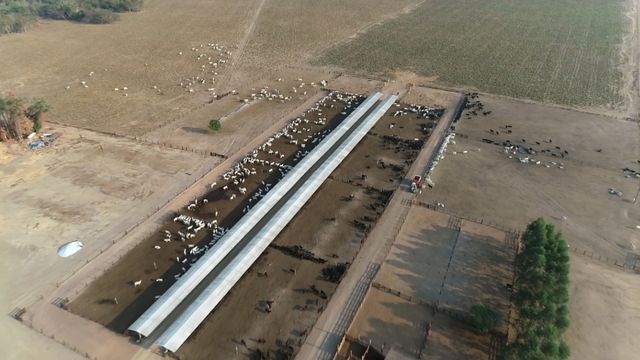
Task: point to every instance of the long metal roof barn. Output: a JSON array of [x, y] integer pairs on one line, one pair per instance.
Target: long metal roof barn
[[173, 297], [211, 296]]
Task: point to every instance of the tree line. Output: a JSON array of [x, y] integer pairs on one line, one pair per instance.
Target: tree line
[[17, 118], [17, 15], [542, 295]]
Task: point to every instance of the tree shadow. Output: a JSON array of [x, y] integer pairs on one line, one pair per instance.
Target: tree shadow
[[195, 130]]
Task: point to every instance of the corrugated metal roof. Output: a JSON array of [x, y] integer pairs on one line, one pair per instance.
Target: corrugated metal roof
[[198, 310], [172, 298]]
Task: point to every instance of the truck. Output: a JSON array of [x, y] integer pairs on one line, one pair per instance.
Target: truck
[[416, 183]]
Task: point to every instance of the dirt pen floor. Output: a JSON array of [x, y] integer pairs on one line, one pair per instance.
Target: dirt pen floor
[[391, 322], [437, 261], [450, 263], [331, 226], [86, 187], [437, 268], [480, 181]]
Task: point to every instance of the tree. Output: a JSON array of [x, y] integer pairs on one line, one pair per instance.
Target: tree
[[542, 295], [35, 111], [564, 351], [214, 124], [16, 15], [10, 111], [484, 318]]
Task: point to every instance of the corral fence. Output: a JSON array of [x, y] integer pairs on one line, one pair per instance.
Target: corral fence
[[498, 338], [123, 235], [458, 109], [631, 262], [515, 234], [28, 323], [142, 141], [17, 313]]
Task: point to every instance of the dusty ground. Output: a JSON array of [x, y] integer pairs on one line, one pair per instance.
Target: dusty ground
[[604, 311], [481, 266], [430, 239], [436, 260], [485, 183], [86, 187], [450, 262], [598, 222], [388, 321], [161, 32], [393, 322]]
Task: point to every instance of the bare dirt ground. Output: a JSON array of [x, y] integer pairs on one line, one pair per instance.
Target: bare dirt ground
[[262, 49], [391, 322], [450, 262], [604, 311], [86, 187], [489, 185], [436, 261], [484, 183]]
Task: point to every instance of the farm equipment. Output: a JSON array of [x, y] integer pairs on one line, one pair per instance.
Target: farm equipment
[[416, 183]]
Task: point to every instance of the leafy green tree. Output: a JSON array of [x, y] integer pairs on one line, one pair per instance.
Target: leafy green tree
[[542, 295], [16, 15], [214, 124], [563, 351], [484, 318], [10, 111], [35, 111]]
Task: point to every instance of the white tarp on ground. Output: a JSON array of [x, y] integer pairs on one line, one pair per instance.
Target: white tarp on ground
[[171, 299], [70, 248], [199, 309]]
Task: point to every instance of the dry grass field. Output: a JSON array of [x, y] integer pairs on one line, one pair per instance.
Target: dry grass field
[[500, 190], [154, 37], [288, 31], [141, 51], [564, 52]]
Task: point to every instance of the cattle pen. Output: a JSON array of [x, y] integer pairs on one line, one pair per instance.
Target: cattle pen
[[170, 305]]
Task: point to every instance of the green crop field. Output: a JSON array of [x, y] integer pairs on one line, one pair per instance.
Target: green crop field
[[559, 51]]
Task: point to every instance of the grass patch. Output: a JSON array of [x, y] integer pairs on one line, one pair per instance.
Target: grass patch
[[17, 15], [564, 52]]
